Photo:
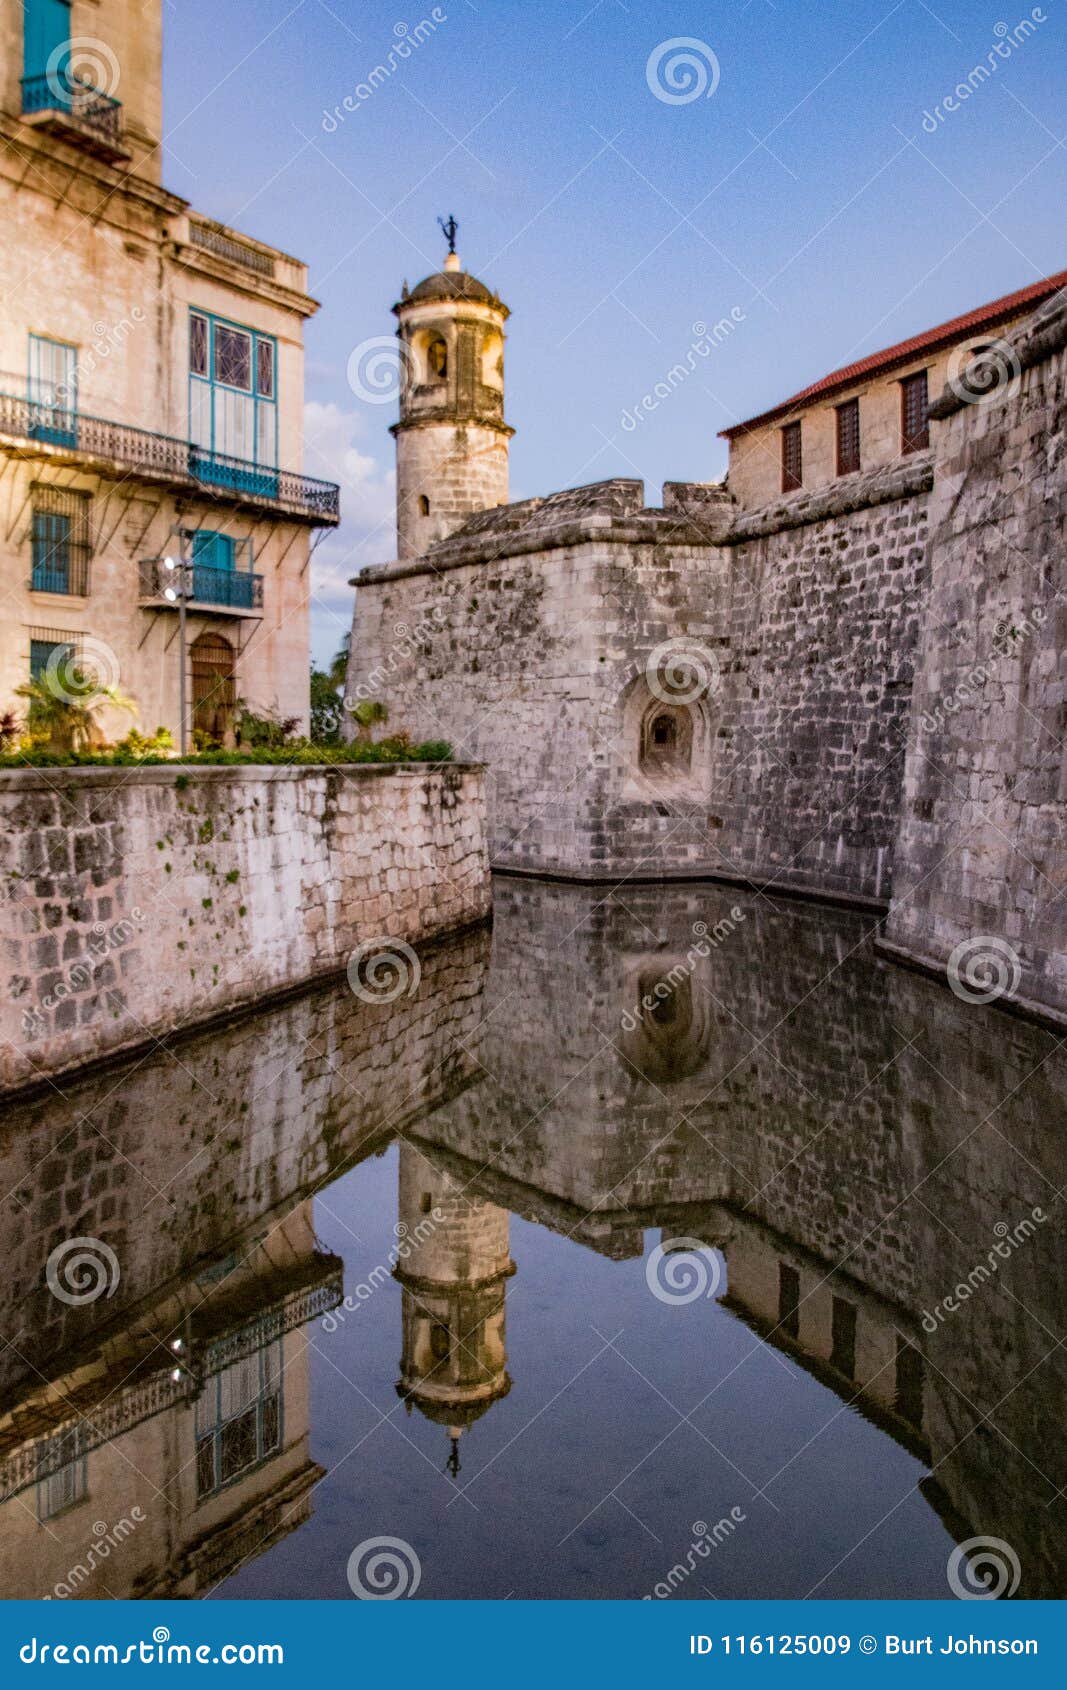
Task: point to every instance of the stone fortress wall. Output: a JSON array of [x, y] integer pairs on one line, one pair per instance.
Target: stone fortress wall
[[532, 629], [711, 689], [980, 853]]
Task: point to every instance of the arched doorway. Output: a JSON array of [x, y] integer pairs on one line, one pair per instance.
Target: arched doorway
[[213, 666], [666, 747]]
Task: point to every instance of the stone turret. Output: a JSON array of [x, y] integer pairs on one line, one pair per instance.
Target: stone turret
[[453, 1276], [451, 439]]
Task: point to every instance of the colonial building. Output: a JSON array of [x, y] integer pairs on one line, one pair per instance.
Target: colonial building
[[873, 412], [725, 686], [151, 396]]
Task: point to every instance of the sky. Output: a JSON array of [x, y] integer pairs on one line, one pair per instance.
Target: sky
[[803, 177]]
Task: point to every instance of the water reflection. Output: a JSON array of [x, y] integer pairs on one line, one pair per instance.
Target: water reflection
[[867, 1153], [454, 1365]]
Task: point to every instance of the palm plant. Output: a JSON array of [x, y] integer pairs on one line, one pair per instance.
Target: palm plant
[[338, 670], [67, 721]]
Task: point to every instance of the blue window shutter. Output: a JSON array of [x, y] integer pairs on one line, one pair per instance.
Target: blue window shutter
[[47, 31], [51, 552], [212, 551]]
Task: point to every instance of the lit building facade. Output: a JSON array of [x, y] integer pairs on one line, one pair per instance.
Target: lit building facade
[[151, 396]]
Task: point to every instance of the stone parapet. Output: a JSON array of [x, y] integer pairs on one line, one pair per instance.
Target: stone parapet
[[905, 479]]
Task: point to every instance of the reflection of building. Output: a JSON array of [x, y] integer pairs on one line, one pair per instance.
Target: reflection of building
[[178, 1448], [454, 1362], [838, 1329]]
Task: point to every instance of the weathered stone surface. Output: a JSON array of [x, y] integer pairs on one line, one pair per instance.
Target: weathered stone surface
[[526, 638], [981, 851], [179, 893]]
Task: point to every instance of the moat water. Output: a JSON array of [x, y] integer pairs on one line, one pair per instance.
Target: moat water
[[668, 1242]]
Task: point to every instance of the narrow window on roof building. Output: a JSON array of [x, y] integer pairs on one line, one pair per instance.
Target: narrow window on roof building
[[915, 413], [848, 437], [788, 1300], [792, 463]]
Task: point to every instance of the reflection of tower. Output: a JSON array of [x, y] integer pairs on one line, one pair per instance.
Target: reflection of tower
[[451, 440], [454, 1272]]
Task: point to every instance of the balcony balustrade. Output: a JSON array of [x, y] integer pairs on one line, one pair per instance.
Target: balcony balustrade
[[237, 590], [161, 458], [73, 107]]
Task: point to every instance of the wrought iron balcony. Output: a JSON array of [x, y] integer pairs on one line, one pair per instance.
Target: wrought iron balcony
[[71, 106], [125, 452], [236, 590]]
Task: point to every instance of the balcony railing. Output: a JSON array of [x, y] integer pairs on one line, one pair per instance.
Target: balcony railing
[[158, 457], [225, 245], [73, 97], [224, 589]]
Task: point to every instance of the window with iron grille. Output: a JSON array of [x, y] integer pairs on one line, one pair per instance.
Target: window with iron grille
[[51, 646], [848, 437], [792, 459], [238, 1419], [915, 413], [61, 541], [62, 1489]]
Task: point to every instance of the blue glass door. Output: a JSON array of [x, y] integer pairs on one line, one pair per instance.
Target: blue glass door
[[53, 391], [216, 578], [45, 57]]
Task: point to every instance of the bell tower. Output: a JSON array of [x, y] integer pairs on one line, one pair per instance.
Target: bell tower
[[451, 439]]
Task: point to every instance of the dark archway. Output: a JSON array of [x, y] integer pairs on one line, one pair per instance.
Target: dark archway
[[666, 748], [213, 669]]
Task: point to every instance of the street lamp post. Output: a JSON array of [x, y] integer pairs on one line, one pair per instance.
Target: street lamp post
[[179, 590]]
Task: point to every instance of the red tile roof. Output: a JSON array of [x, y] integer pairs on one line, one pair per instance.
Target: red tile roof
[[1012, 305]]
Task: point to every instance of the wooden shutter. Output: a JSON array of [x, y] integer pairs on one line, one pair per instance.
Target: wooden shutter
[[915, 413], [792, 459], [848, 437]]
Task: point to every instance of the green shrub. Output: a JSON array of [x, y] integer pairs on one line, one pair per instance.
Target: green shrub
[[301, 753]]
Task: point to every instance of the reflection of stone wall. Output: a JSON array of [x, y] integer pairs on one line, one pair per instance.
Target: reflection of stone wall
[[138, 900], [981, 1118], [846, 1117], [174, 1161], [765, 1080]]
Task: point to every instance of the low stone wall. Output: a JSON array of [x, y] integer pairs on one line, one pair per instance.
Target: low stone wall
[[136, 901]]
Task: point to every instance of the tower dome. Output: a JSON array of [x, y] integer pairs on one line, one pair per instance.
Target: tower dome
[[451, 438]]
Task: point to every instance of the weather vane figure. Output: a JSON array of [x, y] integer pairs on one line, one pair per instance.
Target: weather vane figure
[[450, 231]]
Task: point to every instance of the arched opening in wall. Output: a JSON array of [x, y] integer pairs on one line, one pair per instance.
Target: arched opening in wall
[[213, 671], [664, 746], [437, 359], [665, 751], [424, 505]]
